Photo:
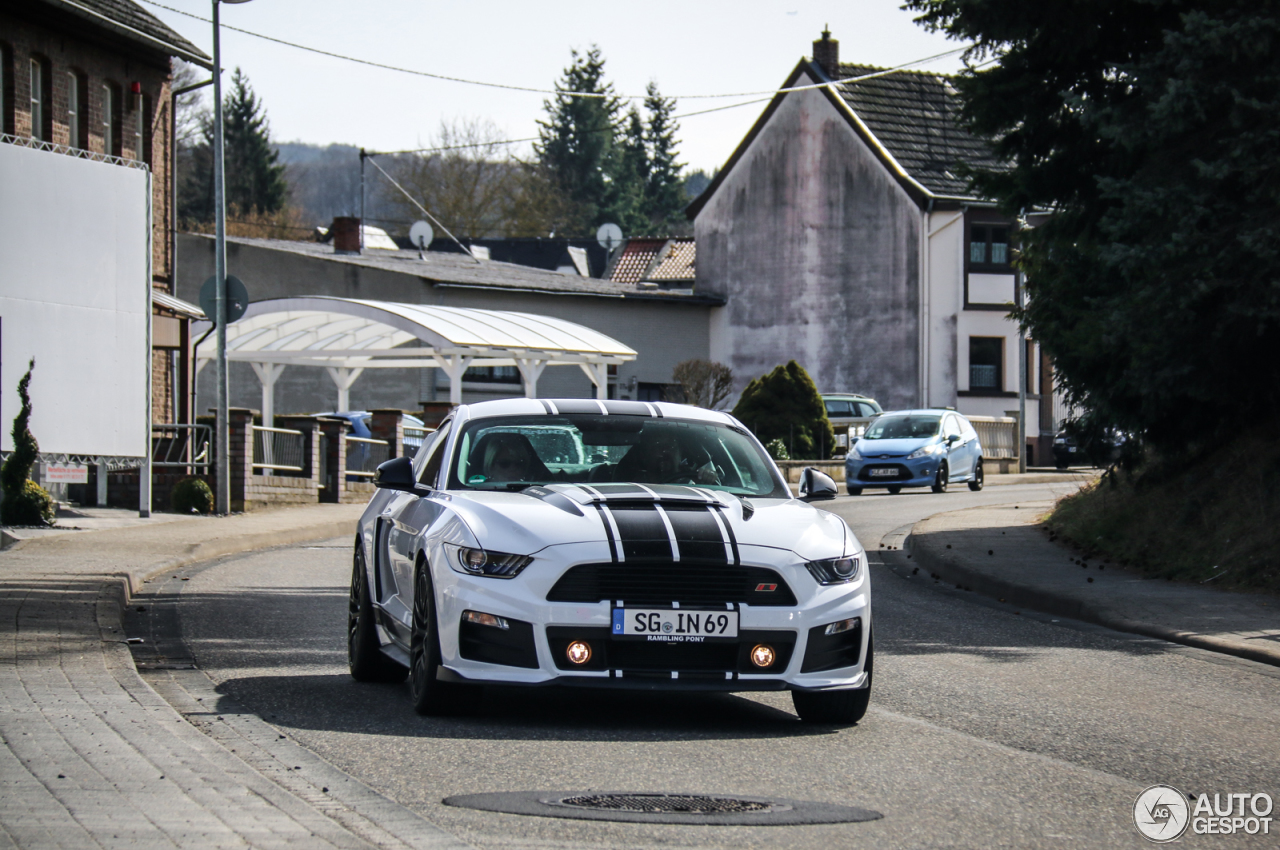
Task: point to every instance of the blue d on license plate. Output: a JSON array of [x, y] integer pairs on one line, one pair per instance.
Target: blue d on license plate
[[674, 625]]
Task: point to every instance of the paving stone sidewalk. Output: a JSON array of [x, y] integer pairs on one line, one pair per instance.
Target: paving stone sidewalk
[[1000, 551], [91, 756]]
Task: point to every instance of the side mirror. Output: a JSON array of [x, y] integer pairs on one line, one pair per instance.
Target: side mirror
[[816, 486], [395, 474], [951, 438]]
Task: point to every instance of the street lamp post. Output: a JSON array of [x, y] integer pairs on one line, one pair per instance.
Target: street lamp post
[[222, 498]]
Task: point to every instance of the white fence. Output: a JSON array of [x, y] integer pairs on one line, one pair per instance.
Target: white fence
[[278, 449]]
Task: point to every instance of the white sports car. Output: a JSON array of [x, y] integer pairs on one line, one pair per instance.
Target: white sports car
[[606, 544]]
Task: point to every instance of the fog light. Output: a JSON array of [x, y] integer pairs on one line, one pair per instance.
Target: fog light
[[579, 652], [484, 619], [763, 655], [842, 626]]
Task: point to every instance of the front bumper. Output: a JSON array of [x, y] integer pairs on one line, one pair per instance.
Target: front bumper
[[869, 472], [803, 660]]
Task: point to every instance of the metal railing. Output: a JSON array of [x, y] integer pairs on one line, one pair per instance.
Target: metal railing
[[278, 449], [413, 438], [998, 435], [180, 445], [364, 455]]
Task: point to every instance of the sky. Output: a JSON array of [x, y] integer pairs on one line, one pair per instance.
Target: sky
[[688, 48]]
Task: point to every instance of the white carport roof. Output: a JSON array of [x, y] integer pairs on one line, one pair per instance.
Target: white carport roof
[[348, 335]]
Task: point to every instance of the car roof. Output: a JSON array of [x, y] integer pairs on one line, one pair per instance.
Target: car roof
[[555, 406], [840, 396], [921, 411]]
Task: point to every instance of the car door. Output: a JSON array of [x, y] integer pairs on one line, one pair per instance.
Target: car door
[[958, 463], [399, 527], [971, 443]]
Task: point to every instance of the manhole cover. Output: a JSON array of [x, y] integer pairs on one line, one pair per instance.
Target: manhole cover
[[653, 807], [691, 804]]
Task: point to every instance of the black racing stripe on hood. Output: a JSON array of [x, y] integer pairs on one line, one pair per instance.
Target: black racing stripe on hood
[[697, 534], [608, 533], [643, 533], [628, 408], [733, 540], [578, 406], [622, 491]]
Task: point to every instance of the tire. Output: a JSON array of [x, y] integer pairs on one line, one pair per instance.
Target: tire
[[1060, 464], [854, 491], [431, 696], [364, 654], [978, 478], [843, 708], [940, 480], [895, 490]]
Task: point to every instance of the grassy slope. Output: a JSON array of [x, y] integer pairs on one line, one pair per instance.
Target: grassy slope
[[1214, 520]]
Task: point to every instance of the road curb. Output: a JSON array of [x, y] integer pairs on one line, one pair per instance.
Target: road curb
[[950, 570]]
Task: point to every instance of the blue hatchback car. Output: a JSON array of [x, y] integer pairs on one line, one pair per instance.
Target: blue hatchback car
[[915, 448]]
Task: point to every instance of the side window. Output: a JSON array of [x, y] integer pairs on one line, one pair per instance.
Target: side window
[[838, 408], [432, 453], [966, 430], [951, 427], [864, 409]]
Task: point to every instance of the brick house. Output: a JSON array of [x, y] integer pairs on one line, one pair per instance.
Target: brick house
[[91, 79]]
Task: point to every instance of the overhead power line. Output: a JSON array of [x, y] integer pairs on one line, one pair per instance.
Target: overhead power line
[[557, 92]]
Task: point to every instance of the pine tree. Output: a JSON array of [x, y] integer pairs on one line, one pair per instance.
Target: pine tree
[[576, 140], [254, 177], [664, 199], [624, 201], [785, 405]]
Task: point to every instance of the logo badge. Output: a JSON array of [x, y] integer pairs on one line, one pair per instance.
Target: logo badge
[[766, 588], [1161, 814]]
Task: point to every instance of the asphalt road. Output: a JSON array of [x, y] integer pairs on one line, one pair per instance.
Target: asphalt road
[[988, 727]]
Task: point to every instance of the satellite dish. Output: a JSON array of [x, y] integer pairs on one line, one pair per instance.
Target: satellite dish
[[421, 234], [609, 236], [237, 298]]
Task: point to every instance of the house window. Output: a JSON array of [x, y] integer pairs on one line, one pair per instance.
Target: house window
[[142, 129], [77, 110], [986, 363], [492, 375], [988, 245], [111, 119], [41, 100]]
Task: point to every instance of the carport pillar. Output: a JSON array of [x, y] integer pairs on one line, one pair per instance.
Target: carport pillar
[[343, 378], [599, 375], [454, 366], [530, 370], [268, 373]]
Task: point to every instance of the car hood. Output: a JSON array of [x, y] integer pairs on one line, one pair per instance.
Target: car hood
[[529, 521], [891, 448]]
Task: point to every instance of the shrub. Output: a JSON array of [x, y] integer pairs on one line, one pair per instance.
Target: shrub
[[777, 450], [25, 501], [785, 405], [191, 495]]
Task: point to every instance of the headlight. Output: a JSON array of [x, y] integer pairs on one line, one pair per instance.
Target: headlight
[[478, 562], [853, 453], [835, 570], [923, 451]]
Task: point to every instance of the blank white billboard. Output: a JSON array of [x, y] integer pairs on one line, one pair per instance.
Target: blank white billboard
[[75, 239]]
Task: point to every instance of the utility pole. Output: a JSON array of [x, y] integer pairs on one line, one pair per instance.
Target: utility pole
[[222, 452], [1022, 370]]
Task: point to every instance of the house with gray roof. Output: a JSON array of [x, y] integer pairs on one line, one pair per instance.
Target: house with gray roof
[[844, 235]]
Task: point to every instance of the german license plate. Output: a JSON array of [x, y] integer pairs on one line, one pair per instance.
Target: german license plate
[[884, 472], [674, 625]]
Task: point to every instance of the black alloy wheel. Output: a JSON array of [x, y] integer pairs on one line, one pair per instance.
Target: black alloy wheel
[[364, 655], [940, 482], [978, 480], [431, 696], [841, 708], [853, 491]]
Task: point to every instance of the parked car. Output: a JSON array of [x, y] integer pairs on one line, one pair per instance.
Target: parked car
[[673, 558], [1072, 447], [846, 410], [915, 448]]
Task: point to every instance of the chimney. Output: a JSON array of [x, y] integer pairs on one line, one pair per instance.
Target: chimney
[[346, 235], [826, 55]]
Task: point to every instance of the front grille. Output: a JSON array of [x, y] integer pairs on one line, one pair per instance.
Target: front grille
[[664, 582], [900, 472]]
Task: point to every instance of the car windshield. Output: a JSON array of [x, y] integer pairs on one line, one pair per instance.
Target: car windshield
[[903, 427], [514, 452]]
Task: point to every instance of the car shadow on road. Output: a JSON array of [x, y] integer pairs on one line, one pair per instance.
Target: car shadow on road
[[336, 702]]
